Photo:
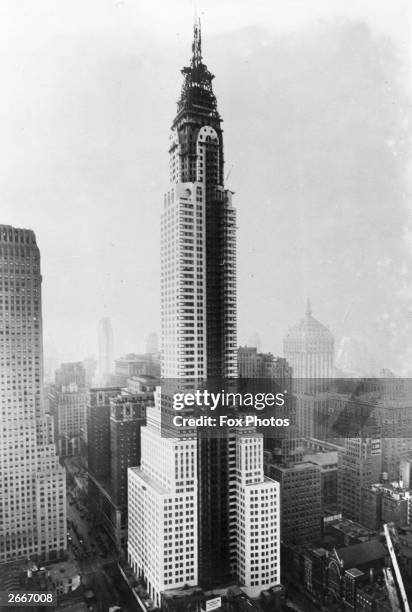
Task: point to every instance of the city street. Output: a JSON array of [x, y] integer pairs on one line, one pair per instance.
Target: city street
[[97, 560]]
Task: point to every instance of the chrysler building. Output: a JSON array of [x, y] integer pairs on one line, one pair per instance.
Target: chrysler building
[[199, 505]]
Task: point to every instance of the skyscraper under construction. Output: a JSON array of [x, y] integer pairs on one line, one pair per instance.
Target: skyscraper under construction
[[200, 487]]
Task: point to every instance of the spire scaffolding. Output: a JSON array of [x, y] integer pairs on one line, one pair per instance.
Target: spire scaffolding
[[197, 88], [197, 44]]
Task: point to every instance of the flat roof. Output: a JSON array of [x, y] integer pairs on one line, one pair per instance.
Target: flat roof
[[303, 465], [153, 484], [322, 458]]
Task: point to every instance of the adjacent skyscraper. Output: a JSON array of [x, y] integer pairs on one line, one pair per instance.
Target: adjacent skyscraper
[[32, 497], [199, 505]]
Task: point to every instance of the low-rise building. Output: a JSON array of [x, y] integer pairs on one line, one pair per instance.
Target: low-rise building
[[386, 503], [344, 532]]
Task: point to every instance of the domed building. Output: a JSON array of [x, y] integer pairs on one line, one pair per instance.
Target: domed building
[[309, 348]]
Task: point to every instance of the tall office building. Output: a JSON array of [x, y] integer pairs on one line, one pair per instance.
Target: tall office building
[[328, 465], [386, 502], [194, 488], [301, 501], [32, 497], [106, 350], [198, 243], [274, 374], [114, 419], [359, 466], [309, 348], [67, 401]]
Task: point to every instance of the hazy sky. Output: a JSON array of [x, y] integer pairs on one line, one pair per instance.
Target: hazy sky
[[315, 97]]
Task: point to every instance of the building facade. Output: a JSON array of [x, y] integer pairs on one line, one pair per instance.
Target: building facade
[[98, 429], [386, 503], [264, 371], [67, 402], [359, 466], [115, 418], [33, 484], [328, 464], [301, 501], [127, 416], [162, 507], [257, 518]]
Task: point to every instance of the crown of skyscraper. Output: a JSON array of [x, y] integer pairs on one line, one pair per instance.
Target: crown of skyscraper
[[197, 91]]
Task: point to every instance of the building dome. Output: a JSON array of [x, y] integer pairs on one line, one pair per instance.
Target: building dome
[[309, 348], [309, 327]]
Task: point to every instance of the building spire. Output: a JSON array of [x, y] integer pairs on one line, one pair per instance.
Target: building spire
[[197, 90], [308, 307], [197, 43]]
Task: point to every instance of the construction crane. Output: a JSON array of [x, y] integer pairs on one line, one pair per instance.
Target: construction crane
[[389, 579]]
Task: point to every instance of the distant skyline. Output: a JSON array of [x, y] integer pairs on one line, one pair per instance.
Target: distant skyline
[[315, 98]]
